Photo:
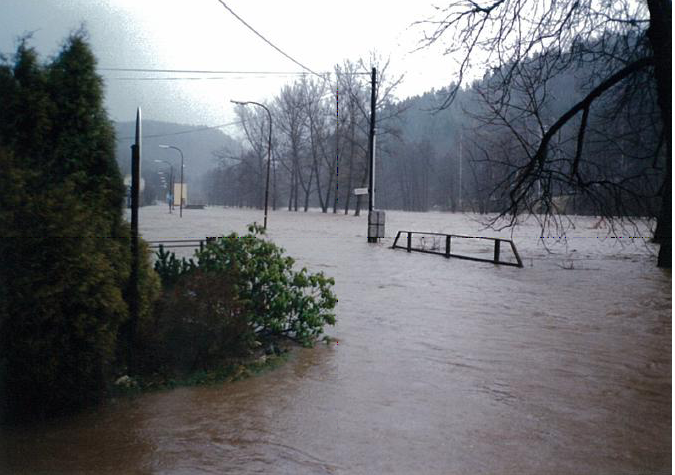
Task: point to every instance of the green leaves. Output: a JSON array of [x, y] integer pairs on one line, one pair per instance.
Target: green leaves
[[278, 300]]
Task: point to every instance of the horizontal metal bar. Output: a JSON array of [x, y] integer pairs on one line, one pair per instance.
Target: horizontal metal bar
[[173, 246], [458, 256], [176, 240], [447, 253], [458, 236]]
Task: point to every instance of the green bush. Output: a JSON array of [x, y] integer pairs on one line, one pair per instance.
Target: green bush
[[199, 323], [277, 301]]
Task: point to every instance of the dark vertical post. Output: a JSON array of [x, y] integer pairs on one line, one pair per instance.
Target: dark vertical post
[[135, 260], [371, 149], [337, 143], [182, 181], [497, 243], [409, 241], [269, 162], [447, 245], [171, 190]]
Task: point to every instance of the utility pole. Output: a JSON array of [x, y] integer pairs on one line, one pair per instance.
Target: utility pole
[[337, 143], [461, 139], [371, 143], [372, 216]]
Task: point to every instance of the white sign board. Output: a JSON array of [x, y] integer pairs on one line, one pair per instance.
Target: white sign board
[[360, 191], [177, 195], [127, 182]]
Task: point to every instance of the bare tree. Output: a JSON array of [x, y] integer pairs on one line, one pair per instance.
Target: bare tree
[[252, 162], [625, 49]]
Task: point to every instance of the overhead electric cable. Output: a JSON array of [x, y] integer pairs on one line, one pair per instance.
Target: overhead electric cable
[[197, 71], [268, 41], [182, 131], [217, 78], [202, 71]]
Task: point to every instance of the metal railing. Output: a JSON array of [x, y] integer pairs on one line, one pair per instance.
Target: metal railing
[[447, 252], [174, 243]]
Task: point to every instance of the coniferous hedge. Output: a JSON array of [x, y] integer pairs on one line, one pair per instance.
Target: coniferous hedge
[[64, 246]]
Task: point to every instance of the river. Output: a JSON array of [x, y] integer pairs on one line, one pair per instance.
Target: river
[[441, 366]]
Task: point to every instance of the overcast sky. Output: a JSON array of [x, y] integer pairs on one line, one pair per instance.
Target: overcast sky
[[203, 35]]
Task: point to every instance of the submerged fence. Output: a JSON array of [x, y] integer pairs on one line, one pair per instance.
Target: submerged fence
[[441, 244], [173, 243]]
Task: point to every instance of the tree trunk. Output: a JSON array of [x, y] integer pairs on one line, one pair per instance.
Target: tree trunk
[[308, 190], [659, 33], [290, 194]]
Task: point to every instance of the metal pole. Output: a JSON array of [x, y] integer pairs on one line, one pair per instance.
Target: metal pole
[[135, 261], [182, 182], [181, 174], [170, 183], [371, 143], [337, 144], [274, 186], [461, 139], [371, 149], [269, 162]]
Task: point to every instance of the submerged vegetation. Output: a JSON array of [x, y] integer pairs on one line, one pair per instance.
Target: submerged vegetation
[[238, 297]]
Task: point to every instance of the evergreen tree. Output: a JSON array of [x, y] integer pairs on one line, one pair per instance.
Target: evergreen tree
[[64, 245]]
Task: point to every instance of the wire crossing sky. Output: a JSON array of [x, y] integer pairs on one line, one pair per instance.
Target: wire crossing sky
[[184, 61], [267, 41]]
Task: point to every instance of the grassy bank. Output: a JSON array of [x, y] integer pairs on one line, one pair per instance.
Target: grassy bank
[[230, 370]]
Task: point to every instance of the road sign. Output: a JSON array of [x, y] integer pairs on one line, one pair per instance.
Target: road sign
[[360, 191]]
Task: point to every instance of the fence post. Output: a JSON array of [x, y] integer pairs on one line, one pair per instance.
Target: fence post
[[447, 245], [497, 243], [409, 241], [201, 246]]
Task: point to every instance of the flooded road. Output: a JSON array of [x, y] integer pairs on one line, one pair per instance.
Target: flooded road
[[441, 367]]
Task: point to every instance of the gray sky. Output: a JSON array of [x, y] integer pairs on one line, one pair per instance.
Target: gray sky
[[202, 35]]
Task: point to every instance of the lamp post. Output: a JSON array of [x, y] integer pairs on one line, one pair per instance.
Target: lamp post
[[181, 174], [170, 183], [269, 153]]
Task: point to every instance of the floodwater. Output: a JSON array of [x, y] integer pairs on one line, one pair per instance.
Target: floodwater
[[442, 366]]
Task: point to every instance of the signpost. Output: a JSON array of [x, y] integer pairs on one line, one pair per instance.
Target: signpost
[[135, 257]]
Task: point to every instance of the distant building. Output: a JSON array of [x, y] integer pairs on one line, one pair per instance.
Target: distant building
[[177, 194]]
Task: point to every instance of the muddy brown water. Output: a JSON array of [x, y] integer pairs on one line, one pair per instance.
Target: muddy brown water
[[441, 367]]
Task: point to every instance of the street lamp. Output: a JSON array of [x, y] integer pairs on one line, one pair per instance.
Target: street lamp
[[181, 174], [269, 153], [170, 183]]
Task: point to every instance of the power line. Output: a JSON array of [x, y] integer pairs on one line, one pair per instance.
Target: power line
[[198, 71], [268, 41], [206, 71], [218, 78], [182, 131]]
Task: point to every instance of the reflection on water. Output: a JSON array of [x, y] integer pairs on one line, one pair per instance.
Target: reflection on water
[[441, 367]]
